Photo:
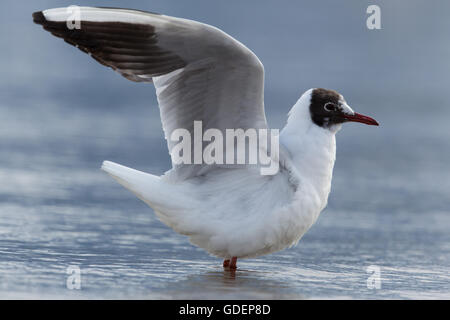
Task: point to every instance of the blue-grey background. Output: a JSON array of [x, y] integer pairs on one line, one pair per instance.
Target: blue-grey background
[[62, 114]]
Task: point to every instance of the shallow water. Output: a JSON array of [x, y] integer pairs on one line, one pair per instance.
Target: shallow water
[[58, 210], [389, 209]]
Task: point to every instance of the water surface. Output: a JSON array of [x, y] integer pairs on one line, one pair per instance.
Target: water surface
[[62, 115]]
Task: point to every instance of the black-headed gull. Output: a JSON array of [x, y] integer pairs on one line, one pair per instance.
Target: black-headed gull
[[203, 74]]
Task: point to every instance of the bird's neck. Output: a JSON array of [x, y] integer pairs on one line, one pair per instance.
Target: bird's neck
[[311, 151]]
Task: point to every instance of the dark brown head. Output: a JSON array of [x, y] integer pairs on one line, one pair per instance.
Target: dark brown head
[[328, 108]]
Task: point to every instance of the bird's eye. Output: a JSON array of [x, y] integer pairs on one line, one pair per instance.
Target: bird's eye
[[330, 106]]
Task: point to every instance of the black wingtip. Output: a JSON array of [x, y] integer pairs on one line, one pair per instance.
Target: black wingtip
[[39, 18]]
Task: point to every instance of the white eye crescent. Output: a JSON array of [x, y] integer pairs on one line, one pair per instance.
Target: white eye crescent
[[330, 106]]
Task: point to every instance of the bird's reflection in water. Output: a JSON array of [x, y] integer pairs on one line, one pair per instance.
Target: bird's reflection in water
[[231, 284]]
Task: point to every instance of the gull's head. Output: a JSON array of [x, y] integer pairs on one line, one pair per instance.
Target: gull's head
[[328, 109]]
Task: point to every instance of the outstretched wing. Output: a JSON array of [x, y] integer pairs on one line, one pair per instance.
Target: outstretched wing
[[200, 73]]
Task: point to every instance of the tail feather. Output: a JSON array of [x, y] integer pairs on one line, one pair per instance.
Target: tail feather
[[149, 188]]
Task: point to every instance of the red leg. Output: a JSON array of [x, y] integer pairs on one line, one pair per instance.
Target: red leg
[[226, 263], [233, 263]]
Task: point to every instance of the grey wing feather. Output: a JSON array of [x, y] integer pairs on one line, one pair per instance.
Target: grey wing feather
[[200, 73]]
